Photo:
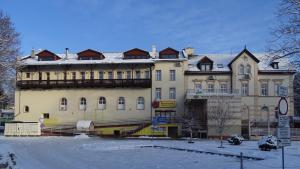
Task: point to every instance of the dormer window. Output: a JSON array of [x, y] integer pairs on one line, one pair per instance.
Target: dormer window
[[46, 55], [169, 53], [205, 64], [220, 66], [90, 54], [136, 54], [275, 65]]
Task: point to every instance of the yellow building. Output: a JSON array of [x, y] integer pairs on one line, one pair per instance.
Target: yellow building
[[122, 92]]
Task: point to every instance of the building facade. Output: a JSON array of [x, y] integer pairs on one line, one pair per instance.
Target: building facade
[[133, 87]]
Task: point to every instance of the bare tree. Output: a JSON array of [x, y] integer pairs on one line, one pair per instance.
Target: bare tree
[[286, 42], [219, 113], [9, 50]]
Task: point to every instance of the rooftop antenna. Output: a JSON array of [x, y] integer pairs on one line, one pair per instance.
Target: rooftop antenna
[[245, 47]]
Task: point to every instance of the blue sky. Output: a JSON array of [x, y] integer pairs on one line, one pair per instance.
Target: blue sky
[[210, 26]]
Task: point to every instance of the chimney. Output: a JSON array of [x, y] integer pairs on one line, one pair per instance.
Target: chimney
[[154, 51], [32, 53], [189, 51], [67, 53]]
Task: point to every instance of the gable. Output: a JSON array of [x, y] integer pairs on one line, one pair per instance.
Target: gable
[[205, 59], [168, 53], [90, 54], [46, 55], [241, 53], [136, 54]]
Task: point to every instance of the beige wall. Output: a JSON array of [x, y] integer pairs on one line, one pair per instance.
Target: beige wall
[[47, 101], [165, 84]]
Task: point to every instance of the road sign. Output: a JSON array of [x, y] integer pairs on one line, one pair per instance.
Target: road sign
[[284, 142], [283, 106], [283, 132], [283, 121], [159, 120]]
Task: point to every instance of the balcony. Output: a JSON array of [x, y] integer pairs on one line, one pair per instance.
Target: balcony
[[196, 94], [88, 83]]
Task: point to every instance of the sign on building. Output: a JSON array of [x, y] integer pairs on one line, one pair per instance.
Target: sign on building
[[167, 104]]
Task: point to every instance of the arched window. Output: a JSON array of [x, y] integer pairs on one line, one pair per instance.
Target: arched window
[[264, 114], [101, 103], [121, 103], [63, 104], [241, 70], [26, 109], [140, 103], [248, 69], [82, 104]]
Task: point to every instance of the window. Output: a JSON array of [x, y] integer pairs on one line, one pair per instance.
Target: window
[[26, 109], [205, 67], [172, 75], [63, 104], [138, 74], [74, 75], [101, 103], [121, 103], [27, 75], [158, 75], [119, 74], [147, 74], [46, 116], [224, 88], [40, 75], [92, 75], [140, 103], [158, 93], [198, 88], [211, 88], [110, 75], [48, 75], [65, 75], [241, 70], [128, 74], [82, 75], [172, 93], [220, 66], [248, 69], [276, 89], [101, 75], [245, 89], [264, 89], [82, 105]]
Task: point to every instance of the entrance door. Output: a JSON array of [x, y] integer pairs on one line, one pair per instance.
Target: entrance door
[[173, 132]]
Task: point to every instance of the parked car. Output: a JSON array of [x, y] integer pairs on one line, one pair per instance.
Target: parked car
[[235, 140], [266, 143]]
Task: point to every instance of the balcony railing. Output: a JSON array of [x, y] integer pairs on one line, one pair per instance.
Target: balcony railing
[[194, 93], [87, 83]]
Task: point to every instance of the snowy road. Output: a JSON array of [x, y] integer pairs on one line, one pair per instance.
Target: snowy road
[[96, 153]]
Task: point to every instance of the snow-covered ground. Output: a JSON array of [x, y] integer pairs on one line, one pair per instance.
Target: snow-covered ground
[[82, 152]]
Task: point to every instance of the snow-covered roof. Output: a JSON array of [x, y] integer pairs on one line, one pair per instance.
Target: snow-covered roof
[[110, 58], [221, 62]]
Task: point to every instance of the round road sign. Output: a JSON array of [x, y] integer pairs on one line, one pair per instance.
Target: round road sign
[[283, 106]]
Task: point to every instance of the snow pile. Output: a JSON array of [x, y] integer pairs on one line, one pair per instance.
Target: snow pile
[[81, 136]]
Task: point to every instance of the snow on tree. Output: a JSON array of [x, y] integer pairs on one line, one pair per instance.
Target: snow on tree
[[286, 42], [9, 50]]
